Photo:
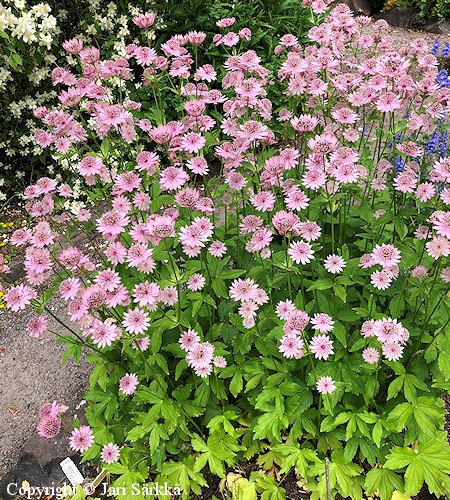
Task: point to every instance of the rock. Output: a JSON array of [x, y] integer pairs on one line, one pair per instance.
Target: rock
[[39, 462], [441, 27], [357, 6], [17, 271], [28, 469], [45, 450], [362, 7], [401, 17]]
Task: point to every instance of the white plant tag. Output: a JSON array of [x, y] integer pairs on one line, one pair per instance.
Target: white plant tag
[[72, 473]]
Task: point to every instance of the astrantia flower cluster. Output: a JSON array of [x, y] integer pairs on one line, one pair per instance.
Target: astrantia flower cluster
[[248, 289]]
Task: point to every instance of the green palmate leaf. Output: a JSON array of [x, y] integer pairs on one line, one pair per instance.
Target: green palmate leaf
[[296, 457], [397, 306], [340, 292], [183, 473], [340, 332], [444, 364], [383, 480], [429, 462], [212, 453], [236, 384], [322, 284]]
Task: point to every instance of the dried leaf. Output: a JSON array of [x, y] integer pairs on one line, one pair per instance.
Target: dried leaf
[[14, 413]]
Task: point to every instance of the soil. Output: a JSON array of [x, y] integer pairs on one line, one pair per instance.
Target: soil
[[31, 371]]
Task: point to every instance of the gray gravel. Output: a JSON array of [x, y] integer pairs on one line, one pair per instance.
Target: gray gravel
[[31, 375]]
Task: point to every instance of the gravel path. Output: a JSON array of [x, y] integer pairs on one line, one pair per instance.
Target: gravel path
[[31, 375]]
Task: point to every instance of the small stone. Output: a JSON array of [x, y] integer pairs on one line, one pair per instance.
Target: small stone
[[401, 17]]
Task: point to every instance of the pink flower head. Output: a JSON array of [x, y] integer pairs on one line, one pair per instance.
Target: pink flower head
[[260, 239], [381, 279], [173, 178], [217, 249], [49, 426], [321, 346], [334, 264], [200, 355], [73, 46], [322, 322], [81, 439], [236, 181], [296, 199], [196, 282], [128, 383], [104, 333], [310, 231], [144, 20], [37, 326], [291, 346], [19, 296], [301, 252], [371, 355], [242, 290], [296, 322], [188, 340], [385, 255], [284, 309], [226, 22], [196, 37], [392, 351], [388, 330], [285, 222], [198, 165], [219, 362], [112, 223], [136, 321], [110, 453], [147, 294], [438, 246], [419, 272], [263, 201], [325, 385], [147, 161], [192, 142]]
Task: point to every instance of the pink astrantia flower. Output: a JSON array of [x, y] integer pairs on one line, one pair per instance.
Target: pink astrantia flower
[[301, 252], [188, 339], [219, 362], [196, 282], [284, 309], [334, 264], [325, 385], [322, 322], [321, 346], [110, 453], [81, 439], [128, 383], [438, 246], [37, 326], [49, 426], [291, 346], [386, 255], [371, 355], [242, 290], [136, 321], [381, 280], [173, 178], [144, 20], [217, 249], [19, 296], [392, 351], [69, 288]]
